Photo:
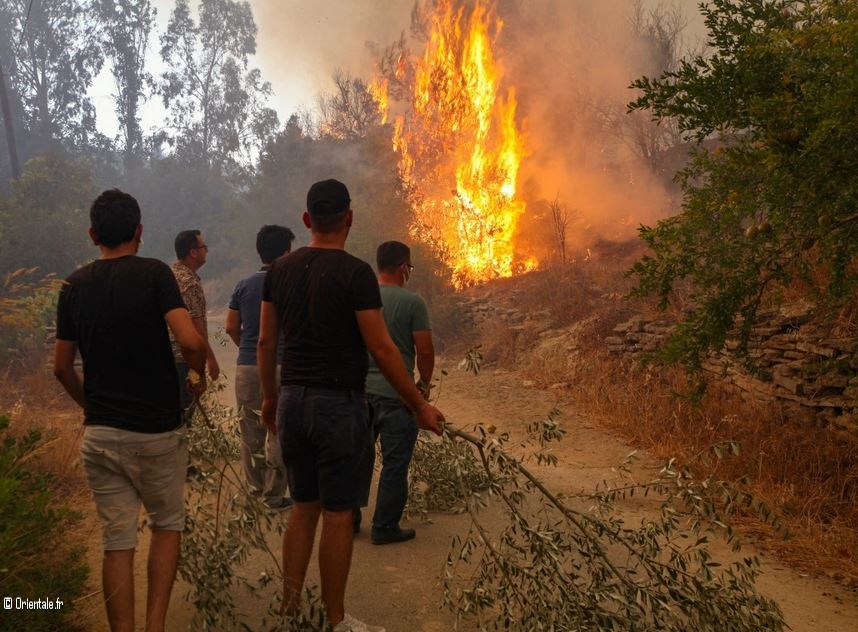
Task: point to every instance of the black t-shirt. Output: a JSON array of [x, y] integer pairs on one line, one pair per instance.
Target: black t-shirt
[[114, 309], [316, 292]]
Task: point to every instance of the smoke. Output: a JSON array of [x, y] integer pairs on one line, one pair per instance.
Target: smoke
[[302, 42], [570, 63]]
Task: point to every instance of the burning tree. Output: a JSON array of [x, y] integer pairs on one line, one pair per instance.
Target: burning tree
[[458, 140]]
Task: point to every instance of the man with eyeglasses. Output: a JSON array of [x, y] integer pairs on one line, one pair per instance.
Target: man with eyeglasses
[[407, 320], [191, 253]]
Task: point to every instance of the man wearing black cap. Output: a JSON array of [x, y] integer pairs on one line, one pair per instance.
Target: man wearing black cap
[[327, 305]]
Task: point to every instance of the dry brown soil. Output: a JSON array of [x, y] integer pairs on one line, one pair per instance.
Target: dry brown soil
[[398, 586]]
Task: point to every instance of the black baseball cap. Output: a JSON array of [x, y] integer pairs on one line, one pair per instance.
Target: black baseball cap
[[327, 198]]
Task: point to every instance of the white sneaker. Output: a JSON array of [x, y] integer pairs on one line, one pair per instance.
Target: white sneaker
[[350, 624]]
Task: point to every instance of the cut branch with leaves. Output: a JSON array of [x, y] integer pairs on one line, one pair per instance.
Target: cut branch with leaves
[[570, 561]]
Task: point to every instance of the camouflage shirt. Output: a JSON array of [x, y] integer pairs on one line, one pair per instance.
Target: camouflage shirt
[[191, 289]]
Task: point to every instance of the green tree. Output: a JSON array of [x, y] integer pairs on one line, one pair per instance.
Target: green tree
[[276, 195], [771, 191], [294, 160], [217, 105], [43, 223], [175, 195], [54, 54], [127, 26]]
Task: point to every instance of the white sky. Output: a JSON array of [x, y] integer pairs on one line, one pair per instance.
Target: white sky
[[301, 42], [299, 45]]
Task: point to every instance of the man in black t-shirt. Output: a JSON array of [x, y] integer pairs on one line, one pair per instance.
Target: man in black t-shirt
[[116, 311], [328, 306]]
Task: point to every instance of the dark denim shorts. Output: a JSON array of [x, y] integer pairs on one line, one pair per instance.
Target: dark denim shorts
[[324, 434]]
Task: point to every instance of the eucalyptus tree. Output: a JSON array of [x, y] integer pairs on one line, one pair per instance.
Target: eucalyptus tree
[[8, 126], [217, 111], [54, 54], [127, 26], [350, 111]]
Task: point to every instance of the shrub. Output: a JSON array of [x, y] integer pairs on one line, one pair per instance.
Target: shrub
[[27, 308], [34, 562]]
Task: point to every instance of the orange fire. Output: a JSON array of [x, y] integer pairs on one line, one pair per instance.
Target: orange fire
[[460, 147]]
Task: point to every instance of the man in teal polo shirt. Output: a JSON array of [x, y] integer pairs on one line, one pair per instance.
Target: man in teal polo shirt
[[407, 321]]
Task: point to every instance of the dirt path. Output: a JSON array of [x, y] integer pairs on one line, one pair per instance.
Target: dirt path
[[399, 586], [587, 455]]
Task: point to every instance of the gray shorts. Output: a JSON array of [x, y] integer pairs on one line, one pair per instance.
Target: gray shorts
[[126, 469]]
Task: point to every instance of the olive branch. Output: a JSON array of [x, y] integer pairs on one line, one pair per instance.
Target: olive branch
[[225, 526], [571, 561]]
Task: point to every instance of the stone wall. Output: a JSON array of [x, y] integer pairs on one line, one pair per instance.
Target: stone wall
[[799, 367]]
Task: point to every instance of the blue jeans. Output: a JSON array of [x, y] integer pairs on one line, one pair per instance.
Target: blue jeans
[[391, 421]]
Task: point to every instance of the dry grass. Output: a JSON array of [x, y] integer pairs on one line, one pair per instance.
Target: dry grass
[[808, 474], [34, 400]]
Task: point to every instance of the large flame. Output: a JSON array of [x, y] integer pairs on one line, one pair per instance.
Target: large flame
[[460, 147]]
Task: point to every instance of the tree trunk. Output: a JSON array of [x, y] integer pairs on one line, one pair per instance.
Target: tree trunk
[[10, 129]]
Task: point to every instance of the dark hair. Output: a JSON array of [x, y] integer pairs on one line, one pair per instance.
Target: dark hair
[[272, 241], [114, 218], [328, 223], [185, 242], [392, 254]]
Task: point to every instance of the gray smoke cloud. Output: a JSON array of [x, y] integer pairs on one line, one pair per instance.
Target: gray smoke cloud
[[572, 63], [302, 42]]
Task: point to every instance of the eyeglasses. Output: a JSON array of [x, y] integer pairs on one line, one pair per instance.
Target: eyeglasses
[[202, 247], [410, 267]]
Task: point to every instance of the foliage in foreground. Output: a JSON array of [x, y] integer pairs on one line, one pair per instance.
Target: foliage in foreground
[[770, 197], [226, 526], [224, 522], [572, 562], [32, 563], [26, 309], [555, 562]]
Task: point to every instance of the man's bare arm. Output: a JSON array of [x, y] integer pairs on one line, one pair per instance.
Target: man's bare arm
[[64, 355], [389, 362], [211, 360], [425, 358], [233, 325], [193, 345], [266, 361]]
